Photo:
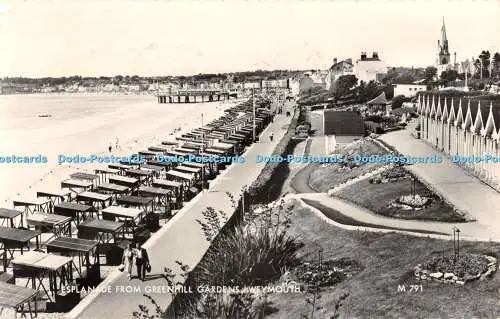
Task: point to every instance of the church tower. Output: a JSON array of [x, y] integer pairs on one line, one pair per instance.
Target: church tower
[[444, 53], [443, 59]]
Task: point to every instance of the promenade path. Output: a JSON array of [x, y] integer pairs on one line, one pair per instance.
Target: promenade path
[[180, 239], [457, 186], [465, 191]]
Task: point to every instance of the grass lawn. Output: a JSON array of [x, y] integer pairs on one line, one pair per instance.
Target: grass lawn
[[327, 176], [377, 197], [387, 260]]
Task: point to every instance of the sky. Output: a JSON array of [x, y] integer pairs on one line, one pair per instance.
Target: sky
[[157, 38]]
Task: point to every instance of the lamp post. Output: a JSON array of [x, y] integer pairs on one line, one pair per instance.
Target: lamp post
[[202, 151], [243, 190], [456, 243], [413, 188], [253, 111]]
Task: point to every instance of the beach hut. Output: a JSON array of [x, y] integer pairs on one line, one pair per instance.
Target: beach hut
[[84, 250], [45, 268], [175, 187]]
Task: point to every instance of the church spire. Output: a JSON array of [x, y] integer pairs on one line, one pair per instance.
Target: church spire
[[443, 34], [443, 53]]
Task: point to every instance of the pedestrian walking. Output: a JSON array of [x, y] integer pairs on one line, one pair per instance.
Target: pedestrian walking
[[141, 261], [127, 260], [110, 148], [117, 144], [271, 137]]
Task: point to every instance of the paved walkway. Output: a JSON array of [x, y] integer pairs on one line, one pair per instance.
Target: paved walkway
[[180, 239], [456, 185]]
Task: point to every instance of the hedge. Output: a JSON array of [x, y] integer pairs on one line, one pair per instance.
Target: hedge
[[268, 184]]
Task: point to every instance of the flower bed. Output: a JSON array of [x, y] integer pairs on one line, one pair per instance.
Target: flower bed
[[391, 175], [330, 273], [325, 177], [395, 173], [466, 268], [414, 201]]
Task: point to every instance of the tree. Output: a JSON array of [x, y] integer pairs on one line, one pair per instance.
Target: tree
[[397, 101], [404, 79], [449, 76], [496, 63], [461, 76], [361, 92], [117, 79], [372, 90], [391, 74], [430, 73], [388, 90], [484, 58], [367, 92], [344, 84]]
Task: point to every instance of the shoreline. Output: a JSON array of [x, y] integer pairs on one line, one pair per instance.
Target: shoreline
[[79, 93], [21, 181]]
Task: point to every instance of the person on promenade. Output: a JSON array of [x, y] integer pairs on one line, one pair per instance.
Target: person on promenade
[[117, 144], [127, 260], [141, 261], [110, 148], [271, 137]]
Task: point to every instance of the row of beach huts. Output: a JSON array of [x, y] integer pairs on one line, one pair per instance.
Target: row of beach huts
[[61, 238]]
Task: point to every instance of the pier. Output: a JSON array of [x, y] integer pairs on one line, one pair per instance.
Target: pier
[[193, 96]]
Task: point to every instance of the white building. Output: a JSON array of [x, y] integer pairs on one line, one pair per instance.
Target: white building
[[338, 69], [319, 77], [408, 90], [281, 83], [251, 85], [294, 86], [367, 69]]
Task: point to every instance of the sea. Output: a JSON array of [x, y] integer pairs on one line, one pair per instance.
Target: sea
[[72, 124]]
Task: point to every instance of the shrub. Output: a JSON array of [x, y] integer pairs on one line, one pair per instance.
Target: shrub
[[237, 257], [274, 173], [379, 130], [209, 306], [224, 306]]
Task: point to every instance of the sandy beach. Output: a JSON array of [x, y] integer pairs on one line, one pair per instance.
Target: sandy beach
[[83, 125]]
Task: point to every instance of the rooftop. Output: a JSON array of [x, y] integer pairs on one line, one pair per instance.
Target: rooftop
[[379, 100]]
